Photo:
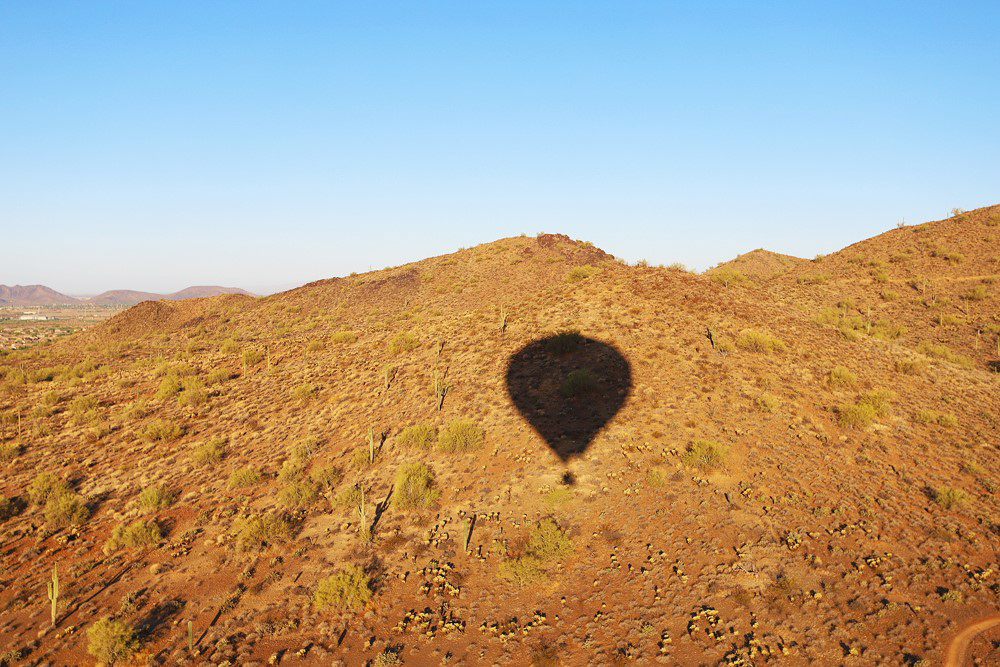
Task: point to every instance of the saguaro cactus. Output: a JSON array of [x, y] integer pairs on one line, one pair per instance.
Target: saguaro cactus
[[53, 589]]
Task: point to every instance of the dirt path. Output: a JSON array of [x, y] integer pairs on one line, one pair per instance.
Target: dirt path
[[958, 645]]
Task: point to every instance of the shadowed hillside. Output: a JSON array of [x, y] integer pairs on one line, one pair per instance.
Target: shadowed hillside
[[801, 470]]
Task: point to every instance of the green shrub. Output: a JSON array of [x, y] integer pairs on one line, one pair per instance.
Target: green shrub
[[162, 430], [9, 451], [878, 399], [261, 530], [229, 346], [855, 415], [349, 496], [63, 508], [727, 277], [217, 377], [758, 341], [886, 330], [950, 498], [348, 589], [303, 449], [842, 377], [303, 392], [414, 487], [169, 387], [768, 402], [930, 417], [111, 642], [155, 498], [815, 279], [403, 342], [562, 342], [299, 494], [209, 452], [244, 477], [581, 273], [43, 485], [578, 382], [326, 477], [194, 393], [977, 293], [251, 357], [942, 352], [705, 455], [142, 533], [343, 337], [418, 436], [910, 366], [460, 435]]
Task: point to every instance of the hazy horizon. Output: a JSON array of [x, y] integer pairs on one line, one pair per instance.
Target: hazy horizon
[[268, 145]]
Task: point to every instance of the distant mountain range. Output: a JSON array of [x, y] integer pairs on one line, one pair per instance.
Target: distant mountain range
[[40, 295]]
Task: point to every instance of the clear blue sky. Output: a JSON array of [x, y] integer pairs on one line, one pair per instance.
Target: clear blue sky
[[156, 145]]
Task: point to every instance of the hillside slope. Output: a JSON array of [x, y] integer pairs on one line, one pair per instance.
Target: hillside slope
[[32, 295], [132, 296], [772, 491]]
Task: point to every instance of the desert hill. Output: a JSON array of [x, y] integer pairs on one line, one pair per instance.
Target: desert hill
[[338, 471], [759, 264], [32, 295], [131, 296]]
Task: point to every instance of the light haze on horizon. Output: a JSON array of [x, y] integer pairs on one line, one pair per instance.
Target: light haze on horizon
[[152, 146]]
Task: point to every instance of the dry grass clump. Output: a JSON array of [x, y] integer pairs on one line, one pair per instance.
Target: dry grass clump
[[111, 642], [302, 493], [910, 366], [460, 435], [155, 498], [304, 392], [944, 353], [546, 544], [580, 273], [414, 487], [759, 341], [251, 357], [343, 337], [140, 533], [977, 293], [9, 451], [842, 377], [193, 393], [578, 382], [949, 498], [705, 455], [162, 430], [326, 477], [768, 402], [61, 506], [417, 436], [403, 342], [863, 412], [209, 452], [262, 530], [348, 589], [244, 477], [926, 417]]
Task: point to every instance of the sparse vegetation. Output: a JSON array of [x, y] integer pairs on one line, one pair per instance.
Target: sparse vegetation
[[417, 436], [580, 273], [863, 412], [261, 530], [111, 642], [403, 342], [842, 377], [759, 341], [162, 430], [343, 337], [727, 277], [950, 498], [414, 487], [209, 452], [155, 498], [460, 435], [243, 477], [348, 589], [942, 352], [705, 455], [142, 533], [546, 544], [931, 417]]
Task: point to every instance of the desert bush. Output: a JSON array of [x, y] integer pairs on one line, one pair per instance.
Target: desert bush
[[63, 508], [562, 342], [910, 366], [244, 477], [344, 337], [193, 394], [768, 402], [977, 293], [111, 642], [578, 382], [546, 543], [944, 353], [43, 485], [251, 356], [155, 498], [162, 430], [8, 508], [217, 376], [886, 330], [209, 452], [348, 589], [9, 451], [229, 346], [142, 533], [169, 387], [842, 377], [758, 341], [581, 273], [815, 279], [460, 435], [950, 498], [262, 530], [303, 392], [326, 477], [863, 412], [931, 417], [303, 449], [414, 487], [349, 496], [302, 493], [889, 295], [403, 342], [705, 455], [417, 436], [727, 277]]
